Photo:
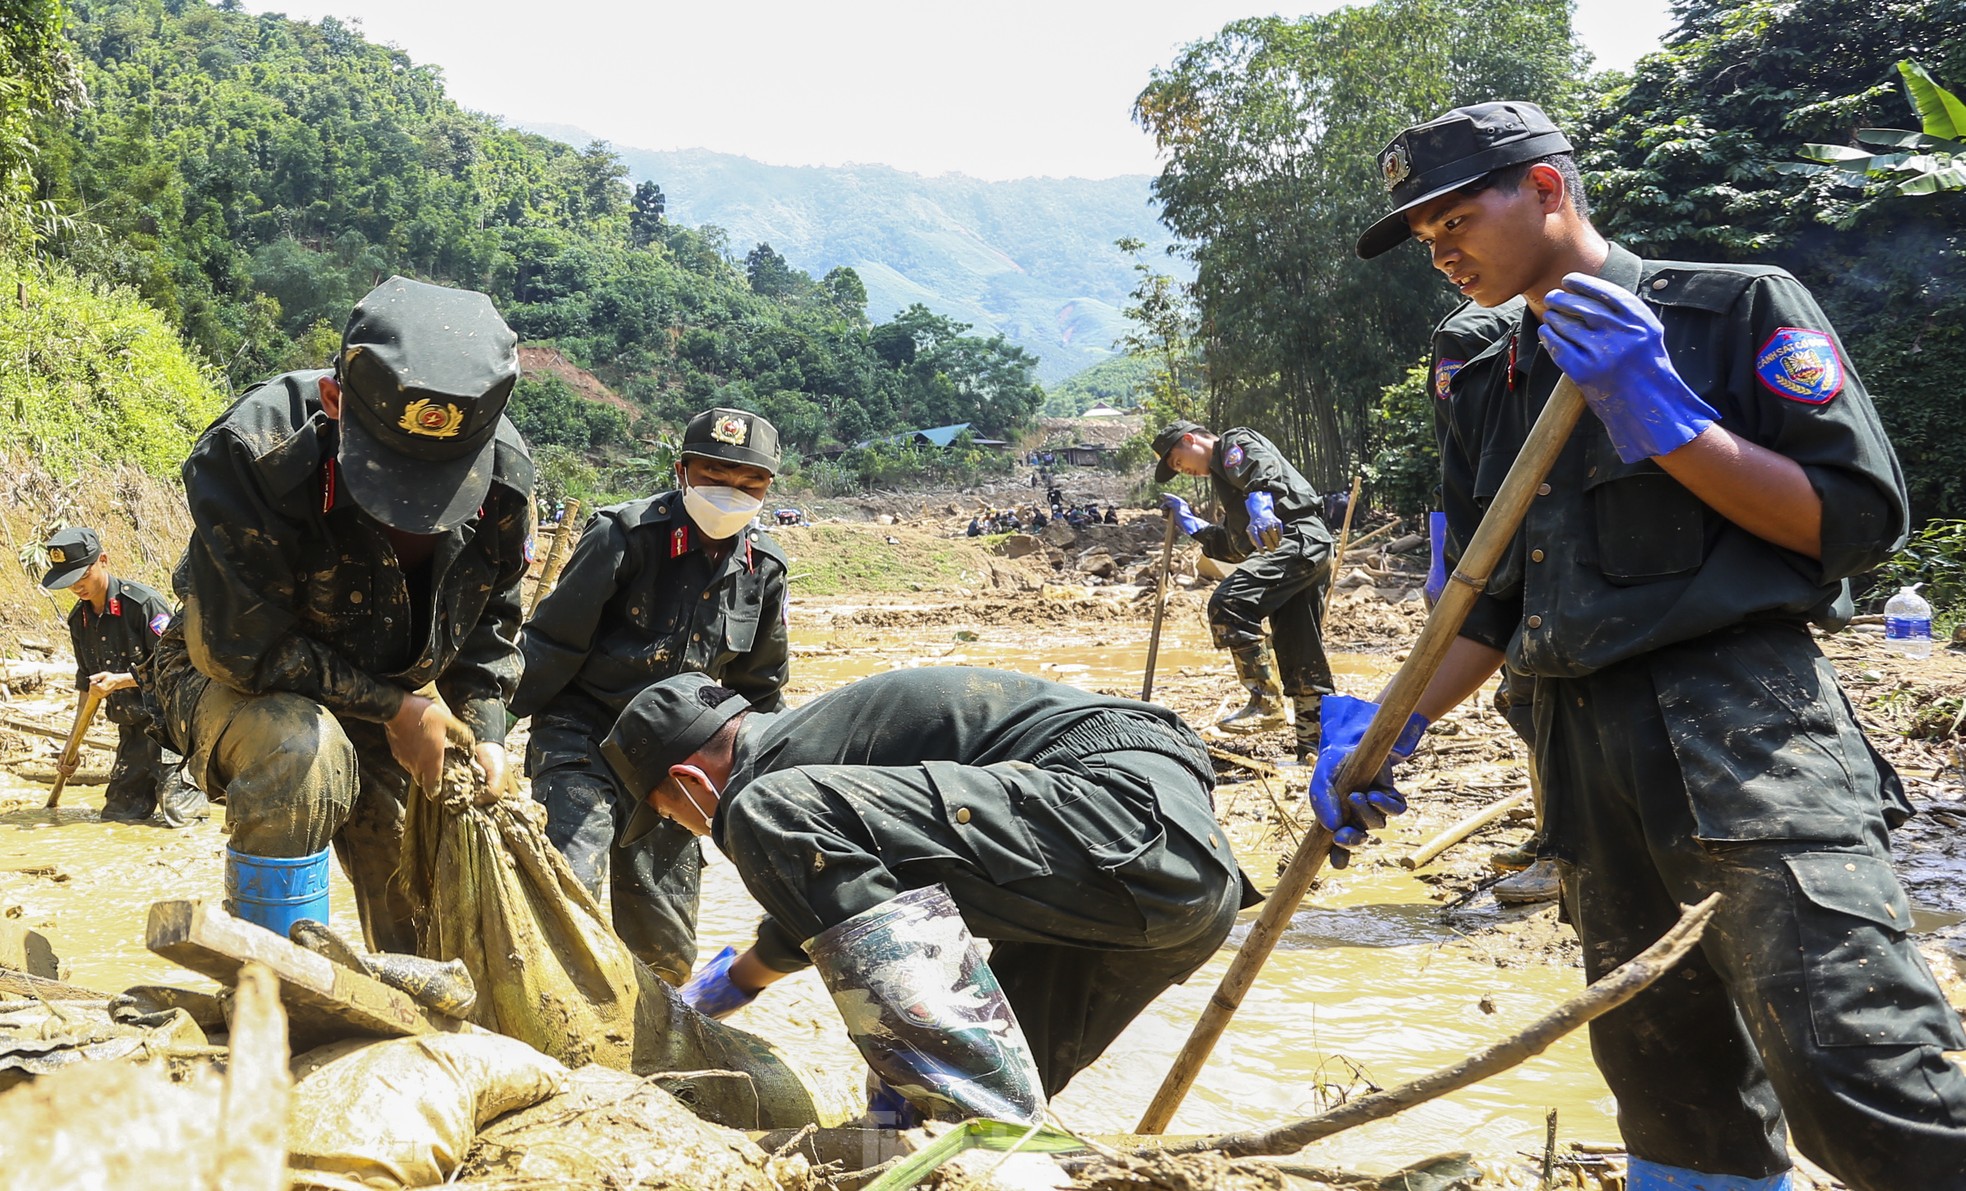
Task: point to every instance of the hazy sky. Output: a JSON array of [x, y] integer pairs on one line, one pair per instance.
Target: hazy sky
[[995, 90]]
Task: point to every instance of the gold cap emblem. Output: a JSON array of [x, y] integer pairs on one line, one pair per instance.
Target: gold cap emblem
[[1397, 164], [731, 430], [57, 555], [430, 420]]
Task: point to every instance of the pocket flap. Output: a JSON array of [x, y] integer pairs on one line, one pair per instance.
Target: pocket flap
[[1854, 884]]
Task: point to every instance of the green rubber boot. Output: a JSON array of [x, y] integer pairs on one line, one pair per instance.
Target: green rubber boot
[[1257, 669]]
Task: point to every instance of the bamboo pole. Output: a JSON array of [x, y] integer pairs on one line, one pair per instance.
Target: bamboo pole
[[71, 753], [1463, 829], [1498, 527], [1344, 536], [1160, 610], [550, 572]]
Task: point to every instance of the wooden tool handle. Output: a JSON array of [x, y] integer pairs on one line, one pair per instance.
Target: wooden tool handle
[[85, 710], [1160, 610]]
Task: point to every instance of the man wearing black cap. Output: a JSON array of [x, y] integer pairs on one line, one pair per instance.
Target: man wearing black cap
[[676, 582], [114, 627], [1074, 830], [1274, 531], [359, 536], [1690, 736]]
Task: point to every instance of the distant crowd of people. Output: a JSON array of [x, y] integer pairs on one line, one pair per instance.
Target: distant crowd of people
[[1013, 520]]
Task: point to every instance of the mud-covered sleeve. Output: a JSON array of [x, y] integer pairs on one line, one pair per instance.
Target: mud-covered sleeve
[[778, 950], [560, 634], [1808, 403], [760, 675], [1219, 544], [240, 626], [478, 684]]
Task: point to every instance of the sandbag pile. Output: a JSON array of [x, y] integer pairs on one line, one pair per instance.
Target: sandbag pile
[[491, 890]]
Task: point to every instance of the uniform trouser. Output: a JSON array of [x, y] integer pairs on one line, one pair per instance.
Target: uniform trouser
[[296, 779], [1734, 764], [142, 773], [652, 887], [1287, 589], [1094, 902]]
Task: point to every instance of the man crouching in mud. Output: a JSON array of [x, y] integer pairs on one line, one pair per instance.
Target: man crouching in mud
[[881, 823], [358, 533]]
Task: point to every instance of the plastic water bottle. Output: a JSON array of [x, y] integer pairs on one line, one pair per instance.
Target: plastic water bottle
[[1908, 624]]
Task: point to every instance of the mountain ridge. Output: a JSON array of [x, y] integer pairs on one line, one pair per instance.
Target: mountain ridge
[[1032, 259]]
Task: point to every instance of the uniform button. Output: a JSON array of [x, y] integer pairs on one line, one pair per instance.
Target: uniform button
[[1213, 842], [662, 508], [696, 636], [1542, 489], [1591, 470], [1661, 283], [962, 814], [354, 597], [1535, 556], [706, 595], [819, 862], [1535, 622]]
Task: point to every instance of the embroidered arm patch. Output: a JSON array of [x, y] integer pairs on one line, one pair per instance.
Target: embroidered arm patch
[[1444, 377], [1801, 365]]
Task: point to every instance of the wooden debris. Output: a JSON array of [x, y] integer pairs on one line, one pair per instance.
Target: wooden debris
[[28, 951], [252, 1154], [1462, 830], [25, 984], [323, 999]]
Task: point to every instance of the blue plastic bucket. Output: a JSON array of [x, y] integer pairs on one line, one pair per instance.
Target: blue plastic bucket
[[277, 892]]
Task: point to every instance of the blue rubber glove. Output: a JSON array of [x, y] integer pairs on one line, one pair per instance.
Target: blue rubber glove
[[1265, 531], [1183, 515], [1612, 345], [710, 991], [1437, 571], [1349, 815]]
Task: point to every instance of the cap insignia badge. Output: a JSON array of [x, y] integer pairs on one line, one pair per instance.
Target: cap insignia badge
[[731, 430], [57, 555], [1397, 164], [430, 420]]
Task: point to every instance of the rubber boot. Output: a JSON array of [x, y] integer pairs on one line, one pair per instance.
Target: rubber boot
[[276, 892], [1654, 1176], [1537, 883], [926, 1011], [1257, 668], [1308, 709]]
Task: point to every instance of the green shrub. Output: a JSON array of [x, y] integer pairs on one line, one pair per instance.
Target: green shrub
[[1936, 558]]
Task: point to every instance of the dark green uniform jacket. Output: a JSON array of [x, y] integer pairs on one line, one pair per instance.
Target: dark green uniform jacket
[[640, 600], [1615, 558], [1245, 462], [949, 718], [119, 640], [288, 586]]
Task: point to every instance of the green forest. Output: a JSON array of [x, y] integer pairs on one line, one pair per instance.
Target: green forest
[[250, 176]]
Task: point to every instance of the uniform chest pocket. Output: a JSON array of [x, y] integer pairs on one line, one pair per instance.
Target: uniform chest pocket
[[1646, 525], [336, 595]]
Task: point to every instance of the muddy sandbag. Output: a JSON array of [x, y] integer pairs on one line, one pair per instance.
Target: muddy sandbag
[[402, 1112], [112, 1127], [491, 890], [610, 1129]]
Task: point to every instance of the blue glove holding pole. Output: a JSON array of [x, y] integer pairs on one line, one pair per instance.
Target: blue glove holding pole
[[1612, 345], [1348, 815], [710, 991], [1184, 517], [1265, 531]]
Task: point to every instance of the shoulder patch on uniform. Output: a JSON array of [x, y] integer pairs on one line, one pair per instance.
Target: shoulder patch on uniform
[[159, 623], [1233, 456], [1444, 377], [1801, 365]]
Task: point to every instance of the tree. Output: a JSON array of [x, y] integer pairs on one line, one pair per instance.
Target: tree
[[1689, 159], [645, 214], [36, 77], [1271, 131], [769, 275], [1164, 325]]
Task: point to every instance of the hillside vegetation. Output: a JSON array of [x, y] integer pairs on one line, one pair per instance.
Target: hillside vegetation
[[251, 176]]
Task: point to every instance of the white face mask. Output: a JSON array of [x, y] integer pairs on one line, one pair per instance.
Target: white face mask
[[720, 512]]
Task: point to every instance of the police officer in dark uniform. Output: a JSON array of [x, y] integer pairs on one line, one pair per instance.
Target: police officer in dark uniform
[[1690, 736], [1274, 531], [680, 581], [359, 535], [1074, 830], [114, 626]]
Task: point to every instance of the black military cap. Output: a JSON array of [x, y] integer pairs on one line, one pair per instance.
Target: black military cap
[[70, 552], [425, 374], [1431, 159], [734, 434], [1169, 438], [661, 727]]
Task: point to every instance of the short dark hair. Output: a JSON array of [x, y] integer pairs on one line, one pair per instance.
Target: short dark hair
[[1510, 176]]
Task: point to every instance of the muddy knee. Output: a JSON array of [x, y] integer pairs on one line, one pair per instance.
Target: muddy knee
[[289, 775]]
